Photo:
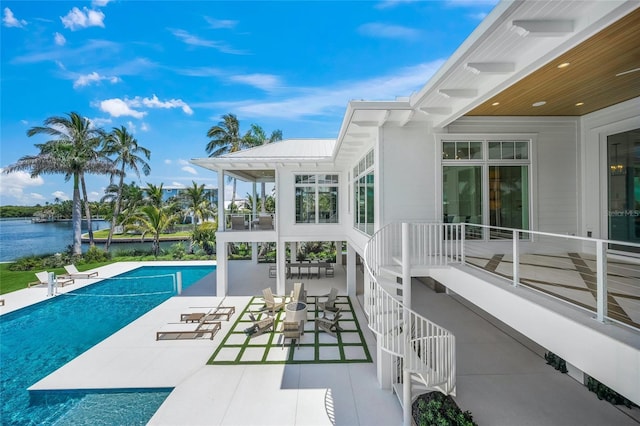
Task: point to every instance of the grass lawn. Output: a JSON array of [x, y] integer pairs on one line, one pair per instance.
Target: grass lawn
[[17, 280]]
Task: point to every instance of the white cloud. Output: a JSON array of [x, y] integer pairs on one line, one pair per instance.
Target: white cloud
[[94, 77], [220, 23], [12, 185], [194, 40], [131, 126], [61, 195], [9, 20], [144, 127], [178, 184], [117, 107], [265, 82], [386, 4], [167, 161], [99, 3], [25, 122], [183, 162], [77, 19], [332, 99], [99, 122], [59, 39], [93, 196], [379, 30], [478, 16], [37, 197], [189, 169], [154, 102]]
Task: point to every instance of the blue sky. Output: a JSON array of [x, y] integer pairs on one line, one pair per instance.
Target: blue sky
[[168, 71]]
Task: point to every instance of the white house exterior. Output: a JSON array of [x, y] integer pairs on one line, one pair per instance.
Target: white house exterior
[[533, 124]]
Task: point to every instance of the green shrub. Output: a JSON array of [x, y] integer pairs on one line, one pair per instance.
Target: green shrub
[[556, 362], [94, 254], [437, 409], [178, 251], [28, 263], [604, 392]]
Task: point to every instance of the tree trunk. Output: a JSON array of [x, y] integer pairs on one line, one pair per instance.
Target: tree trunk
[[76, 217], [263, 207], [87, 209], [233, 194], [116, 210]]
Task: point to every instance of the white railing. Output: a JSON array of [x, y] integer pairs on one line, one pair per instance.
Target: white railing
[[428, 350], [601, 276]]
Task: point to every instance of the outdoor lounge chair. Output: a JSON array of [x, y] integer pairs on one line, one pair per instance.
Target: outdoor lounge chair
[[259, 326], [329, 325], [292, 330], [72, 272], [330, 303], [43, 279], [188, 330], [211, 315], [237, 222], [298, 294], [270, 301]]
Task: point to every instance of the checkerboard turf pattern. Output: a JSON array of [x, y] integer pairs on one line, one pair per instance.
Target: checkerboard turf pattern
[[315, 347]]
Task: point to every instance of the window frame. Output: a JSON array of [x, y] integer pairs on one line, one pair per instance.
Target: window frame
[[316, 181]]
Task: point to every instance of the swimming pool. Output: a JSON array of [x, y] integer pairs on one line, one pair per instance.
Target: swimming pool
[[39, 339]]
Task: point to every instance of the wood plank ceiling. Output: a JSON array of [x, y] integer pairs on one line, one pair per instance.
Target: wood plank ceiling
[[603, 71]]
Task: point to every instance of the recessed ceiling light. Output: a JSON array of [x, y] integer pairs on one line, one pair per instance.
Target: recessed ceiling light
[[495, 104], [564, 65], [580, 104], [539, 103]]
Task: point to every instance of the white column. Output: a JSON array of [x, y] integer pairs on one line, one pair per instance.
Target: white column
[[406, 268], [254, 253], [221, 223], [222, 264], [281, 256], [293, 248], [351, 271], [253, 207], [601, 277], [406, 398], [338, 252]]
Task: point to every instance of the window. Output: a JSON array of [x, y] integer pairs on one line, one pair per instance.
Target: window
[[316, 198], [486, 182], [363, 191]]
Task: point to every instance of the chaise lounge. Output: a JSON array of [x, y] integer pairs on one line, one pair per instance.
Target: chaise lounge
[[259, 326], [43, 279], [213, 314], [183, 331], [72, 272]]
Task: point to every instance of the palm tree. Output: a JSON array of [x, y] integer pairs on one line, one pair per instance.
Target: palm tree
[[198, 203], [225, 138], [257, 137], [128, 155], [154, 220], [71, 153], [154, 194]]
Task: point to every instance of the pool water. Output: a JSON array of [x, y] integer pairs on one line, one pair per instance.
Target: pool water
[[39, 339]]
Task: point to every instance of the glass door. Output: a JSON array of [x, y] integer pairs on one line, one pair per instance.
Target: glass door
[[623, 161]]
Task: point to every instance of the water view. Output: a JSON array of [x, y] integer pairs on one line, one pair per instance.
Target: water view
[[21, 237]]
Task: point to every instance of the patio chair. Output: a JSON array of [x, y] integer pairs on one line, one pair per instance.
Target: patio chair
[[237, 222], [212, 314], [259, 326], [43, 279], [292, 330], [72, 272], [329, 325], [298, 294], [265, 222], [330, 303], [188, 330], [270, 301]]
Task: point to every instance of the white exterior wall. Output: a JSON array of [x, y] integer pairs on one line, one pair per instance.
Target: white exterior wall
[[555, 179], [408, 175], [595, 128]]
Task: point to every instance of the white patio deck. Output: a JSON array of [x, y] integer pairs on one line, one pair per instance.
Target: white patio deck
[[500, 381]]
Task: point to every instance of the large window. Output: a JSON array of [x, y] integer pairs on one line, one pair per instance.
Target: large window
[[363, 191], [316, 198], [486, 182]]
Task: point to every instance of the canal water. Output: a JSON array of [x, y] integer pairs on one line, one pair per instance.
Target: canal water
[[21, 237]]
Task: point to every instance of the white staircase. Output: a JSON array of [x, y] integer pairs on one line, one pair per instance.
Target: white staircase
[[421, 348]]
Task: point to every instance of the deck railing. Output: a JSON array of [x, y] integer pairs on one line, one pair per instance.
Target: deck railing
[[427, 349]]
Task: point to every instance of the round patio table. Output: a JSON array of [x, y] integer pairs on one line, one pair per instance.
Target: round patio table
[[296, 311]]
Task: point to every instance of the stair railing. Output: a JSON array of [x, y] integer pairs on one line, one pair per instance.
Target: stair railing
[[428, 349]]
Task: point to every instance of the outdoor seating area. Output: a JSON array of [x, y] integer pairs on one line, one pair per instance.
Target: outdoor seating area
[[189, 330], [43, 279], [258, 337]]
